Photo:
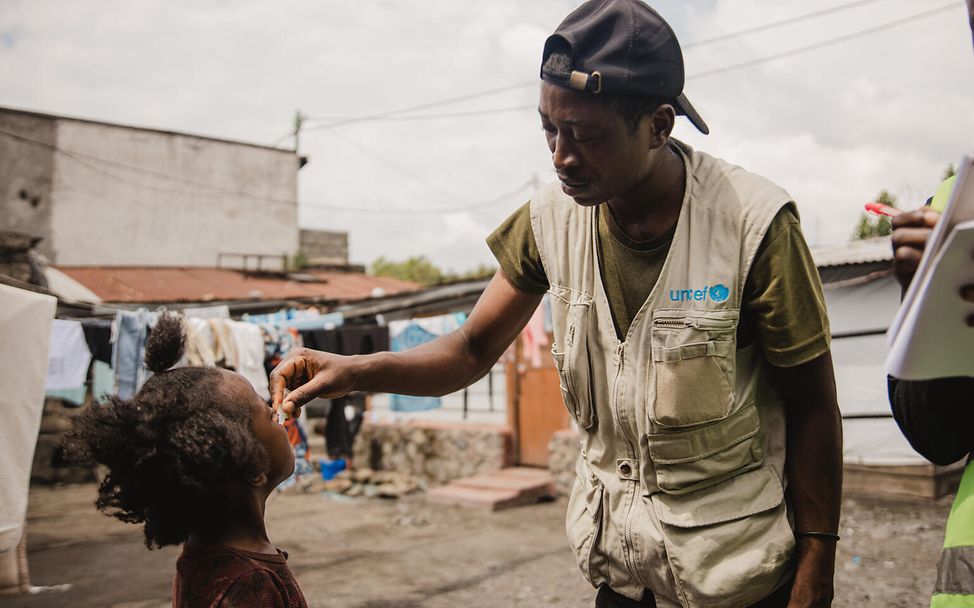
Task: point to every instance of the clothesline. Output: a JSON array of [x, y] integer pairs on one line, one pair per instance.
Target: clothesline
[[100, 357]]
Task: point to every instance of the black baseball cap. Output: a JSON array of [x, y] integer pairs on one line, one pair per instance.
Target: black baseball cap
[[620, 47]]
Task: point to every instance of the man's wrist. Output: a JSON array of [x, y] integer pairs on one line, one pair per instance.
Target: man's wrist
[[361, 371]]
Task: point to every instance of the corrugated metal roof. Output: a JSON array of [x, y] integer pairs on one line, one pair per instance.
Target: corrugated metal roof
[[866, 251], [153, 284]]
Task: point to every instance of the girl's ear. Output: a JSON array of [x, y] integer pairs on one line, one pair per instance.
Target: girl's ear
[[259, 480]]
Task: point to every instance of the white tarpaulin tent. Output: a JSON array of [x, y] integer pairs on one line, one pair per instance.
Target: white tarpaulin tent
[[860, 311]]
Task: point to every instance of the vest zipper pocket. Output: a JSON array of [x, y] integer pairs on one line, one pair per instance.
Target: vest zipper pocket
[[686, 323]]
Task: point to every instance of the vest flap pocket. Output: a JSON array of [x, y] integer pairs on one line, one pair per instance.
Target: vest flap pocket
[[701, 442], [736, 498], [689, 460], [729, 544], [570, 318], [584, 520]]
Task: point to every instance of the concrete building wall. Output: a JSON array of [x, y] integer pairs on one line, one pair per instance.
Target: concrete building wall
[[128, 196], [324, 246], [26, 173]]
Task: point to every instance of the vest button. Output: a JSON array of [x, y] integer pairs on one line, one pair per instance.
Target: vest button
[[625, 469]]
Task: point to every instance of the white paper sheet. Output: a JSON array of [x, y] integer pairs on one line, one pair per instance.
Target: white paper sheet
[[929, 337]]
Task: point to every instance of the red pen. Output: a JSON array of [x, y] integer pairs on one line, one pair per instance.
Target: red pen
[[881, 209]]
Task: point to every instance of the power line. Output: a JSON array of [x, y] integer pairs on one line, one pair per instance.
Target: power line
[[714, 72], [826, 43], [422, 106], [783, 22], [336, 121], [414, 117], [216, 190]]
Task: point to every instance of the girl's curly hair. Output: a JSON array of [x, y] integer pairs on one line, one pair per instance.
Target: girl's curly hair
[[171, 449]]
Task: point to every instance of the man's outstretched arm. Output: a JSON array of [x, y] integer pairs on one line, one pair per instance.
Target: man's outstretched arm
[[442, 366]]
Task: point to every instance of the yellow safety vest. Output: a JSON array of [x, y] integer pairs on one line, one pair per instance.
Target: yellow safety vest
[[955, 573]]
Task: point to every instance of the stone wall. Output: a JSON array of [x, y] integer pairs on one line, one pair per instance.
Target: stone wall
[[49, 465], [434, 452]]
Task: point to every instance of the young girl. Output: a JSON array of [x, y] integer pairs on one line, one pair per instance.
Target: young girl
[[193, 457]]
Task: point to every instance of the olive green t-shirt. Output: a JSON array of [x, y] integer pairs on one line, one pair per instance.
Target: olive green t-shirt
[[783, 306]]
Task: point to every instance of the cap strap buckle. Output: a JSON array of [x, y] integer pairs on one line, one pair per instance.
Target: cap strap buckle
[[581, 81]]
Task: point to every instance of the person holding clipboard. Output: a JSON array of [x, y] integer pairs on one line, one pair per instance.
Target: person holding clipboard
[[937, 416]]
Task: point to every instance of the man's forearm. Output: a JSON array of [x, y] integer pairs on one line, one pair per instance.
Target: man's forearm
[[814, 468], [814, 471], [437, 368]]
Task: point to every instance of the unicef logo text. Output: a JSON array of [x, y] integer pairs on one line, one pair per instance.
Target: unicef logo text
[[715, 293]]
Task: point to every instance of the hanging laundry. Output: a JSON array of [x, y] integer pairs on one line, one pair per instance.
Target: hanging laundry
[[128, 352], [68, 357], [102, 382], [328, 321], [298, 439], [25, 330], [199, 343], [278, 342], [325, 340], [534, 338], [69, 396], [362, 339], [248, 344], [344, 419], [98, 334], [406, 335], [224, 348], [437, 326], [207, 312]]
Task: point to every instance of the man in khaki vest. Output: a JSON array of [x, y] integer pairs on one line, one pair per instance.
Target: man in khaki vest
[[690, 336]]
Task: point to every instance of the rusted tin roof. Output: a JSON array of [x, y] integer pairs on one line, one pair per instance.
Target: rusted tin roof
[[153, 284]]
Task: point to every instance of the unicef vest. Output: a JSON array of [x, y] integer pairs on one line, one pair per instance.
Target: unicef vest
[[679, 485]]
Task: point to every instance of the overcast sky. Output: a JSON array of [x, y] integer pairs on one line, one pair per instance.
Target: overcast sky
[[833, 126]]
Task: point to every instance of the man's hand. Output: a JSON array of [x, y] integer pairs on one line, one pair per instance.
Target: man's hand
[[813, 586], [911, 230], [311, 374]]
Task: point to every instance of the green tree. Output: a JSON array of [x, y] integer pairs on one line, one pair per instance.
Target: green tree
[[482, 271], [417, 269], [870, 225]]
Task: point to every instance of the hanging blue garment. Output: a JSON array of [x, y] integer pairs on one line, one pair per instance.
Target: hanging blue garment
[[102, 382], [413, 335], [128, 351]]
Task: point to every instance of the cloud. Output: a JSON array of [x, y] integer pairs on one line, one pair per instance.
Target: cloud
[[833, 126]]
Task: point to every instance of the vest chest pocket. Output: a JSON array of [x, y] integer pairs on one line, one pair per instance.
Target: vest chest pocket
[[693, 365], [570, 318]]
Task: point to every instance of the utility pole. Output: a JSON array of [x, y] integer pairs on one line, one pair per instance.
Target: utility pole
[[298, 120]]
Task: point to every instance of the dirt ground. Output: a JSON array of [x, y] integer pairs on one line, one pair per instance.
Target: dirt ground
[[372, 553]]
